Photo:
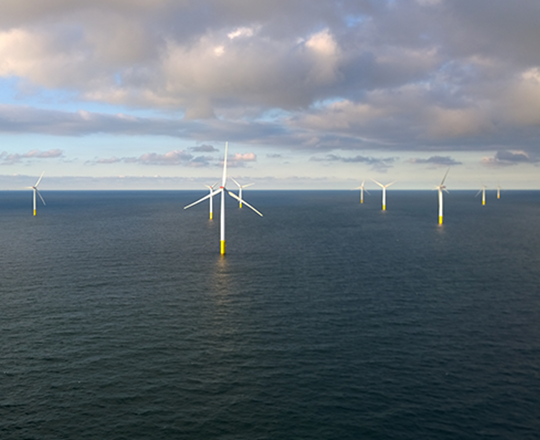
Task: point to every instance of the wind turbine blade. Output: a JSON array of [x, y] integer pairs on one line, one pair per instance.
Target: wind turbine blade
[[380, 184], [212, 194], [478, 193], [367, 191], [237, 184], [446, 174], [388, 184], [249, 184], [224, 179], [39, 194], [39, 180], [234, 196], [446, 191]]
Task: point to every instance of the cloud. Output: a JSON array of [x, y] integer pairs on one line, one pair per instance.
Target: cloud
[[247, 157], [379, 164], [14, 158], [509, 158], [239, 160], [204, 149], [436, 160], [362, 75], [171, 158]]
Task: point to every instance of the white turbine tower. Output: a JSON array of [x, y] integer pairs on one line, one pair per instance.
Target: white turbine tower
[[37, 193], [383, 192], [362, 189], [222, 189], [483, 191], [441, 188], [211, 188], [240, 187]]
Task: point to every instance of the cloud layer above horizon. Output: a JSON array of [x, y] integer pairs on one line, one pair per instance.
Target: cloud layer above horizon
[[318, 77]]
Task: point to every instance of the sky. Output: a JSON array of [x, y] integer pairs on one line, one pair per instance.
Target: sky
[[309, 94]]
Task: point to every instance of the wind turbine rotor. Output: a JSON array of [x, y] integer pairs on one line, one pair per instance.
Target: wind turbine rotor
[[380, 184], [212, 194], [40, 196], [224, 179], [234, 196], [444, 178], [39, 180]]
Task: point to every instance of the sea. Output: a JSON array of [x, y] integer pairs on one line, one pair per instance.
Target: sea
[[326, 319]]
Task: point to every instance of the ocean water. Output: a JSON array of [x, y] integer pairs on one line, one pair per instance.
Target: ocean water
[[327, 319]]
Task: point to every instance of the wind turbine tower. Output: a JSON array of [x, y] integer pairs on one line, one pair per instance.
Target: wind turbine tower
[[211, 188], [483, 191], [362, 189], [441, 188], [37, 193], [240, 187], [383, 192]]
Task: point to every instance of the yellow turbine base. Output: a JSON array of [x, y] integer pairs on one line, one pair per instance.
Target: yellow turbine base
[[361, 201], [498, 196], [384, 207], [223, 247], [35, 212], [483, 202], [440, 219], [240, 205], [211, 216]]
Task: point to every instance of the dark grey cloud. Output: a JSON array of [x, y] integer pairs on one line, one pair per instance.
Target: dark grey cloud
[[505, 158], [379, 164], [436, 160], [204, 149], [515, 156], [25, 119]]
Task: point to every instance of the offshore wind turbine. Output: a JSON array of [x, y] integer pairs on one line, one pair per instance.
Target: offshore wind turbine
[[441, 188], [483, 191], [498, 191], [37, 193], [211, 188], [362, 189], [223, 189], [240, 187], [384, 192]]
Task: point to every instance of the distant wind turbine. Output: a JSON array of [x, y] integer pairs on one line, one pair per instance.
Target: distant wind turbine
[[383, 192], [498, 191], [211, 188], [483, 191], [37, 193], [442, 188], [223, 189], [240, 187], [362, 189]]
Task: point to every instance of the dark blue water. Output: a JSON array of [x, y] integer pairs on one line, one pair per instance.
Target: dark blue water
[[327, 319]]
